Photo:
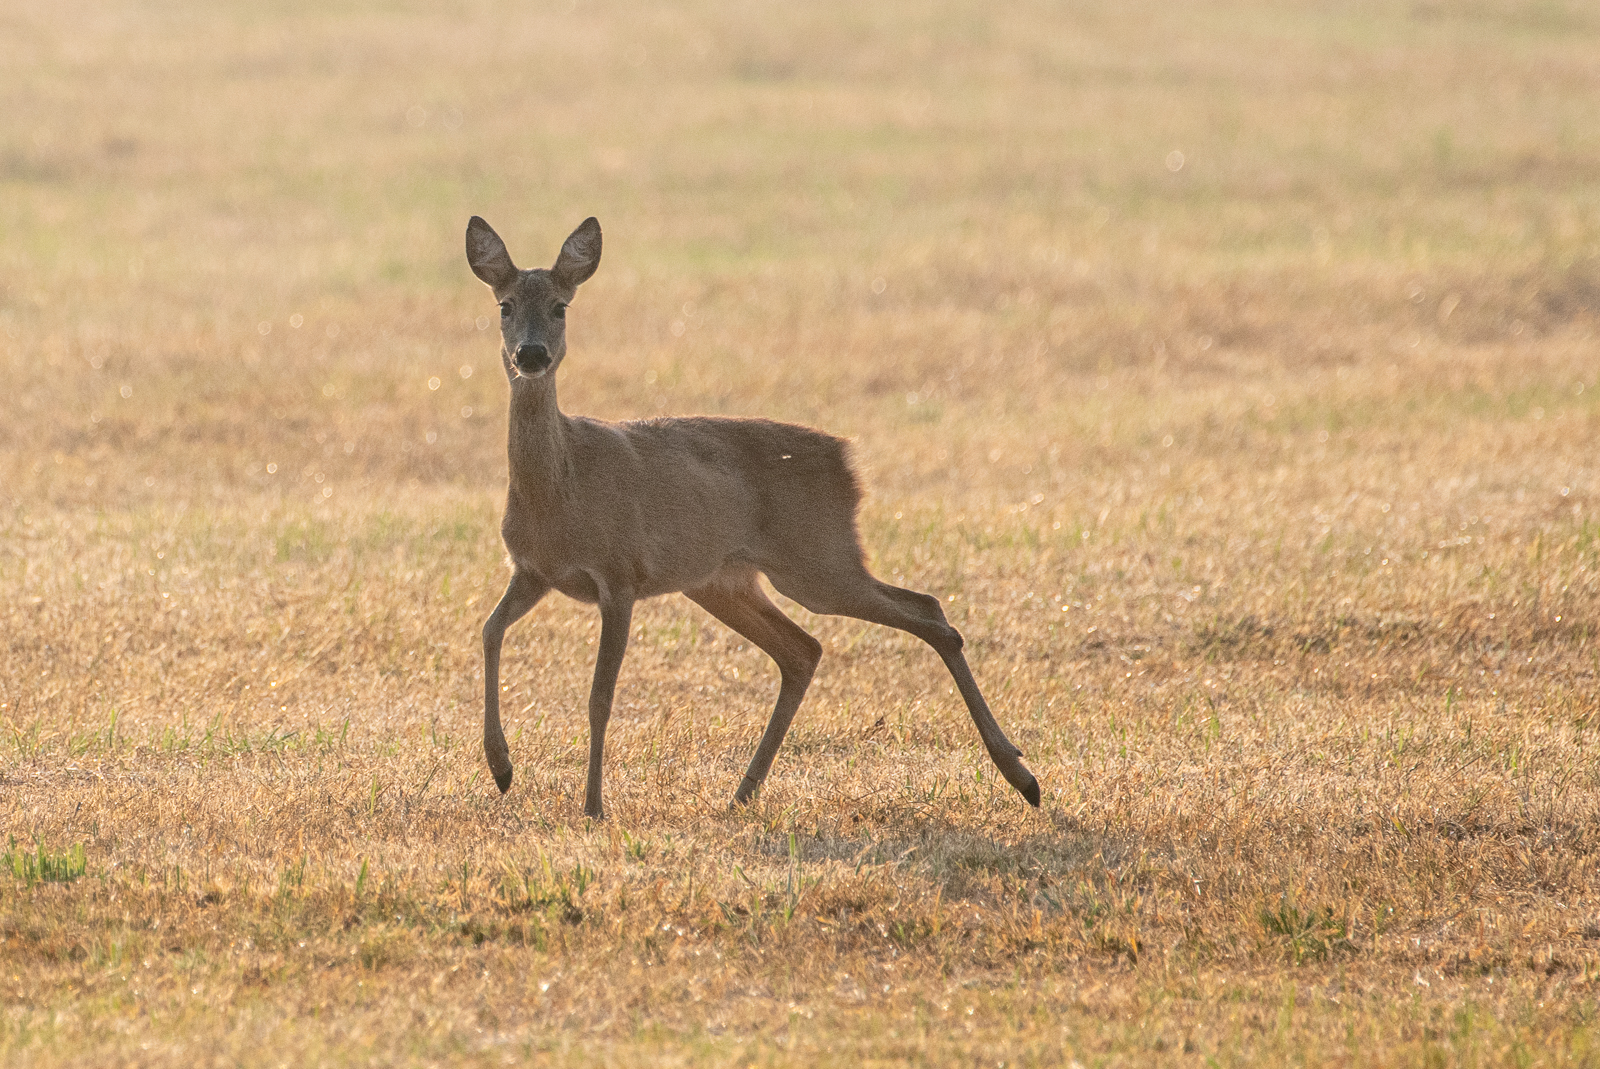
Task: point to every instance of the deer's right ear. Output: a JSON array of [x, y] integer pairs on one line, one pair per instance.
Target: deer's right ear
[[580, 255], [488, 256]]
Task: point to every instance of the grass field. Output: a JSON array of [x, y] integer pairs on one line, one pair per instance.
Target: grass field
[[1229, 368]]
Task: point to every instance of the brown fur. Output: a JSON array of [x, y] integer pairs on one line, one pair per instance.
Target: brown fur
[[609, 513]]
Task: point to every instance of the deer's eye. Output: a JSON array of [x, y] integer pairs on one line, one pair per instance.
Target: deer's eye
[[559, 311], [505, 309]]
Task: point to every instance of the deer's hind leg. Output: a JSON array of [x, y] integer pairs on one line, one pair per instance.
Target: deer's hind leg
[[738, 601], [854, 592]]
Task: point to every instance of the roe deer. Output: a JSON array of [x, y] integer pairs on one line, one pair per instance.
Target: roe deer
[[609, 513]]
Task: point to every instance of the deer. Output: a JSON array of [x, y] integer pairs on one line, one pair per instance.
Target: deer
[[611, 513]]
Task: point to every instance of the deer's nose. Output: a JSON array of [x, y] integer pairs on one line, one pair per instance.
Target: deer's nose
[[532, 356]]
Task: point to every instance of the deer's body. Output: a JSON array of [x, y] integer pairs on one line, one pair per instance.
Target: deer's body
[[609, 513], [627, 504]]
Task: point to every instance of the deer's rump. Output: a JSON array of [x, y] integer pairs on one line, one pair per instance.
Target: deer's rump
[[789, 471], [672, 504]]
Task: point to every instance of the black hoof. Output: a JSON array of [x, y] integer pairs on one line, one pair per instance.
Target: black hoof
[[1031, 793], [504, 783], [742, 797]]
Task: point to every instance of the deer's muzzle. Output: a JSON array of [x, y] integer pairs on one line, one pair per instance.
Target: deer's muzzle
[[532, 358]]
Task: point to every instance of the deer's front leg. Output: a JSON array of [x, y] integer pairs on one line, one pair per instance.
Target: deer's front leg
[[616, 617], [522, 594]]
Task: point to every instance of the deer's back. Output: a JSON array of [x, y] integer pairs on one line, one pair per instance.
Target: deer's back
[[781, 464], [769, 483], [666, 504]]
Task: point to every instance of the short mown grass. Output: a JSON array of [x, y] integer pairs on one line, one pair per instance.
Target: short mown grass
[[1228, 370]]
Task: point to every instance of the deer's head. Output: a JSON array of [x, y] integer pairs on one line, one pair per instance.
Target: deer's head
[[533, 304]]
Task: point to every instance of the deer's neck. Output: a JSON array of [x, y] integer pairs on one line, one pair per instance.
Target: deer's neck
[[538, 439]]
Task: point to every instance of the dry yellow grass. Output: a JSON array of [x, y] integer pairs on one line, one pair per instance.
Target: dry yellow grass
[[1229, 367]]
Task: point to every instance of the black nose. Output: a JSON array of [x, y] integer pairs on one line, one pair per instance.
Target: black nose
[[532, 356]]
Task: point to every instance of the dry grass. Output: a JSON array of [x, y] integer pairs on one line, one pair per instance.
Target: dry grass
[[1262, 489]]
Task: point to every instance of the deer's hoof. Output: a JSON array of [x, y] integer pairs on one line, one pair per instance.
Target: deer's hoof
[[503, 781], [746, 792], [1031, 792]]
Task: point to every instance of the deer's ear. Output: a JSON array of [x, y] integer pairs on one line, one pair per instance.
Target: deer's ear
[[580, 255], [488, 256]]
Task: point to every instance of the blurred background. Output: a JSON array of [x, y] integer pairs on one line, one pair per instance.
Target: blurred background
[[234, 228], [1229, 368]]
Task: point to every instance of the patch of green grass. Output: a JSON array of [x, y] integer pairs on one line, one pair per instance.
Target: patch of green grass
[[44, 866]]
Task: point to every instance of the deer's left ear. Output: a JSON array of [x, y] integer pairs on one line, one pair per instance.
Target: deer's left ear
[[487, 255], [580, 255]]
